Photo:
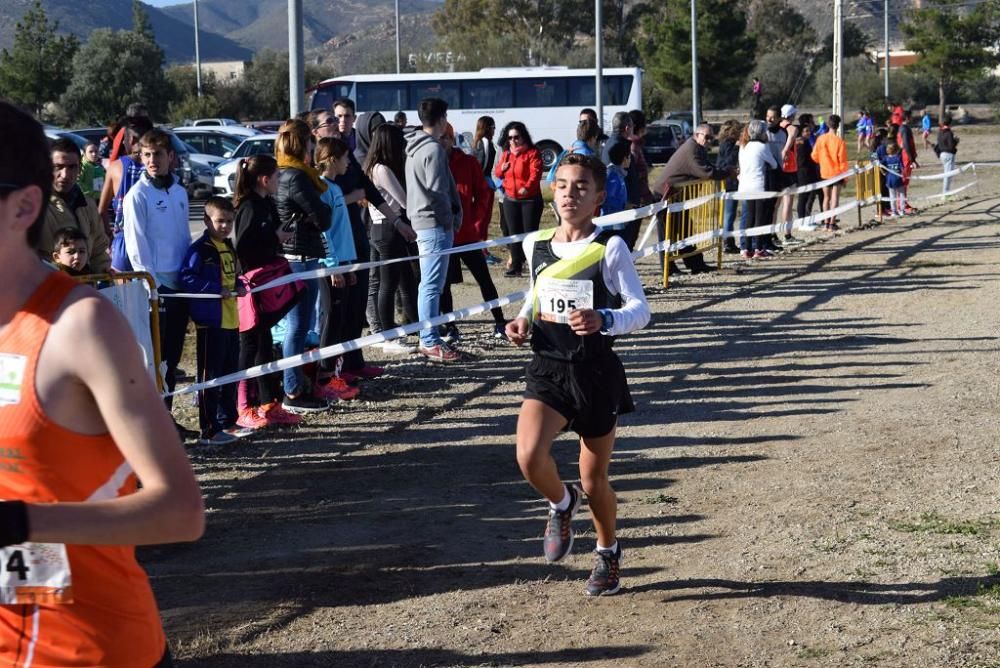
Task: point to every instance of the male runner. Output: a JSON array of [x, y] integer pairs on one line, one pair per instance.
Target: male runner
[[585, 291]]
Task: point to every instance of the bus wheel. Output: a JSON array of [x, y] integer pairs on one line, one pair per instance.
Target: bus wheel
[[549, 151]]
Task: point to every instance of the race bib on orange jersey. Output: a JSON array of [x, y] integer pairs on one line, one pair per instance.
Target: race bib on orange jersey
[[35, 573]]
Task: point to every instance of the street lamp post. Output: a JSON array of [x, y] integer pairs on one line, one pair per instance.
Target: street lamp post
[[296, 62], [599, 62], [694, 66], [398, 68], [197, 49], [885, 39]]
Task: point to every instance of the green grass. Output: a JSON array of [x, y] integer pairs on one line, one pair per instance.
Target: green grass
[[659, 498], [933, 523]]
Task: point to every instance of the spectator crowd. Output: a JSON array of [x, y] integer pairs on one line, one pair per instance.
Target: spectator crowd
[[344, 188]]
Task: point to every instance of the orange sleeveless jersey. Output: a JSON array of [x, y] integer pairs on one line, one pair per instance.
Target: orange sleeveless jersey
[[107, 615]]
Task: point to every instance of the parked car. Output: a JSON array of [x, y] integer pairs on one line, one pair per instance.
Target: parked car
[[54, 133], [682, 129], [224, 181], [210, 140], [265, 126], [92, 134], [660, 143], [231, 126], [195, 170]]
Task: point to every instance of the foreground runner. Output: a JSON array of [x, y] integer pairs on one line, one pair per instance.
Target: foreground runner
[[80, 422], [585, 291]]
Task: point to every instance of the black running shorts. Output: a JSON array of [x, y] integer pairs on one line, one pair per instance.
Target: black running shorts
[[590, 395]]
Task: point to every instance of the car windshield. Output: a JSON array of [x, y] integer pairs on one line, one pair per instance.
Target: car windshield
[[658, 134], [254, 147]]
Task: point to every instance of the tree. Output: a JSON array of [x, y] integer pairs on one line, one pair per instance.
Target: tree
[[854, 39], [37, 68], [725, 51], [112, 70], [953, 45], [777, 26], [140, 21]]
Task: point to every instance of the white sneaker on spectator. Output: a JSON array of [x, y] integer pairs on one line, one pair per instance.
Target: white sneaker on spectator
[[808, 227], [397, 347]]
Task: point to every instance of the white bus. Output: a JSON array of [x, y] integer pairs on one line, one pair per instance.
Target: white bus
[[546, 99]]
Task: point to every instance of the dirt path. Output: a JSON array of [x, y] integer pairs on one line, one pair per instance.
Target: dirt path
[[810, 479]]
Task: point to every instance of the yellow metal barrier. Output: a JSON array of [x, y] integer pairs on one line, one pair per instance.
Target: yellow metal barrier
[[154, 308], [705, 217], [868, 184]]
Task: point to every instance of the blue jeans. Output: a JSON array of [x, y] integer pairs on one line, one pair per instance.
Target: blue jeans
[[745, 243], [729, 217], [948, 163], [297, 324], [433, 272]]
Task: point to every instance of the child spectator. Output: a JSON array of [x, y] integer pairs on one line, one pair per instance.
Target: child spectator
[[258, 246], [332, 160], [892, 167], [210, 268], [156, 235], [92, 173], [616, 198], [69, 251], [830, 153]]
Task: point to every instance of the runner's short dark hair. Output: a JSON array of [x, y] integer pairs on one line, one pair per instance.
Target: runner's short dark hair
[[591, 162], [345, 102], [65, 145], [25, 160]]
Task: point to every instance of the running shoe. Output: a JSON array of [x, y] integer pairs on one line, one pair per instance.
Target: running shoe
[[441, 353], [493, 260], [746, 255], [238, 432], [278, 416], [791, 241], [251, 417], [809, 227], [762, 255], [500, 332], [304, 404], [603, 580], [558, 538], [335, 389]]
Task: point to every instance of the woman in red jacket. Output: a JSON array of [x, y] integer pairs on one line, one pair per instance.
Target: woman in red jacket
[[477, 209], [520, 167]]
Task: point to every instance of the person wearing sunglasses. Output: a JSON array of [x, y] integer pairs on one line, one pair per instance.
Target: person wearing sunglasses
[[520, 168]]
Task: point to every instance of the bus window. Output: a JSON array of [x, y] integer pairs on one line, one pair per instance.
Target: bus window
[[541, 92], [487, 94], [446, 90], [616, 90], [382, 96], [325, 96]]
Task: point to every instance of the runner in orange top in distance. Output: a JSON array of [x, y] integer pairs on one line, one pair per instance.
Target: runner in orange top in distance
[[80, 423]]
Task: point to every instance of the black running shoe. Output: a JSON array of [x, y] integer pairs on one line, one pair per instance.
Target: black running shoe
[[603, 579], [304, 403], [558, 540]]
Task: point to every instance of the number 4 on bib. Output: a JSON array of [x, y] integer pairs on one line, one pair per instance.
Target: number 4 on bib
[[35, 573]]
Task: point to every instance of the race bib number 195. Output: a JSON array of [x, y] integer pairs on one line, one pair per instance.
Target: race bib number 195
[[558, 297], [35, 573]]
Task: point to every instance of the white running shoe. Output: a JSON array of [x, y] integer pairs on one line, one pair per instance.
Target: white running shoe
[[397, 347]]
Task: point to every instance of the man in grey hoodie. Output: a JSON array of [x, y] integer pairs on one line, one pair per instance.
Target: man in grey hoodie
[[435, 212]]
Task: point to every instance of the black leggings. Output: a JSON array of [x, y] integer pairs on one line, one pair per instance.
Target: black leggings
[[476, 263], [333, 304], [256, 348], [804, 206], [522, 215], [398, 275]]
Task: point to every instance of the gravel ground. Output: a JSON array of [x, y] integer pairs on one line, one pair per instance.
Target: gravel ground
[[810, 479]]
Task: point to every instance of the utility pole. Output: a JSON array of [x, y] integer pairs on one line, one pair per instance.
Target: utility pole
[[296, 62], [885, 37], [197, 49], [694, 67], [838, 61], [599, 61], [398, 68]]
